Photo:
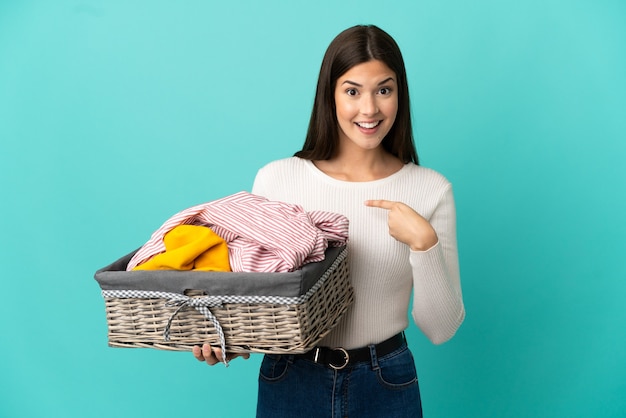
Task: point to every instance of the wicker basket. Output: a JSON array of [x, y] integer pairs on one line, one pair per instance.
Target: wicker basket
[[242, 312]]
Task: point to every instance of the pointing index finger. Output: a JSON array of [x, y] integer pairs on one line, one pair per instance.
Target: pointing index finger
[[380, 203]]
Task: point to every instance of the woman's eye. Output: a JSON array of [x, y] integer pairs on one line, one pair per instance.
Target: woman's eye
[[351, 92], [385, 91]]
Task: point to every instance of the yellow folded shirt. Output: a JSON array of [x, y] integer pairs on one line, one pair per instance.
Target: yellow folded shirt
[[190, 247]]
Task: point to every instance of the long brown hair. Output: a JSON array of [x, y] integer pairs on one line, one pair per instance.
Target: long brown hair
[[353, 46]]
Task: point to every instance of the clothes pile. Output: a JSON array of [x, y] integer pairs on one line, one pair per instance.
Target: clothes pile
[[242, 233]]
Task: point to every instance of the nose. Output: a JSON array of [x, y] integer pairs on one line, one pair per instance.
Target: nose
[[369, 106]]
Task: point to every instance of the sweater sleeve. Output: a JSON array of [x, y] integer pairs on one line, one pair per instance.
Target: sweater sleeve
[[438, 308], [258, 187]]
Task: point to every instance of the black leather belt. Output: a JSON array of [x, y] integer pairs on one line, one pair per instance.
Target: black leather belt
[[338, 358]]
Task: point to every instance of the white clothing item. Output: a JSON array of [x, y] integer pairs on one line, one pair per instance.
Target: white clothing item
[[383, 271]]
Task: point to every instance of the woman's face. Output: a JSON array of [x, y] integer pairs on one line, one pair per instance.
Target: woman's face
[[366, 99]]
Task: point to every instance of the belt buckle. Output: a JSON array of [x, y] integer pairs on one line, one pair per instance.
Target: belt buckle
[[346, 357]]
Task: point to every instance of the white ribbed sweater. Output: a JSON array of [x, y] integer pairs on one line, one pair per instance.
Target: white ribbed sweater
[[382, 270]]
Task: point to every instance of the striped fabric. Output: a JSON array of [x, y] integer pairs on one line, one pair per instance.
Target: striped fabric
[[262, 235]]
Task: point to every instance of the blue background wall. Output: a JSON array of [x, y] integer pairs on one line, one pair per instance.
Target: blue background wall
[[114, 115]]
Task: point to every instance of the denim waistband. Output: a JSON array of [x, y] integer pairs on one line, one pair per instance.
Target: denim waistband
[[338, 358]]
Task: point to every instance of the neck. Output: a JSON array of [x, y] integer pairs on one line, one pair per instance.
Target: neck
[[360, 165]]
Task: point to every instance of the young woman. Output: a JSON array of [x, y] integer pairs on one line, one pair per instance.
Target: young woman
[[359, 160]]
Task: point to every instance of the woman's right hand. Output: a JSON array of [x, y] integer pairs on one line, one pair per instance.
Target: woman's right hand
[[213, 356]]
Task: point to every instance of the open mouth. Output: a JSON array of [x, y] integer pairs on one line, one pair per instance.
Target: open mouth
[[368, 125]]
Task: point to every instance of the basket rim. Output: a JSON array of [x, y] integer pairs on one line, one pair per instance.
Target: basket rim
[[292, 284]]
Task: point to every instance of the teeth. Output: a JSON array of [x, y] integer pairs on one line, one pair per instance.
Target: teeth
[[368, 125]]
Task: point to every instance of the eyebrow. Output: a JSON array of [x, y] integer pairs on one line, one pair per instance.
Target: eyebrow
[[360, 85]]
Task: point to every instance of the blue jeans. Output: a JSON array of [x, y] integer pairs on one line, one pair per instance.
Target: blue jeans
[[384, 387]]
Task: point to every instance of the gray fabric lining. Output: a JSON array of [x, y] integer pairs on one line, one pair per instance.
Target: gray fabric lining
[[293, 284]]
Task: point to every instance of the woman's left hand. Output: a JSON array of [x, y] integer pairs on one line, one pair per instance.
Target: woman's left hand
[[406, 225]]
